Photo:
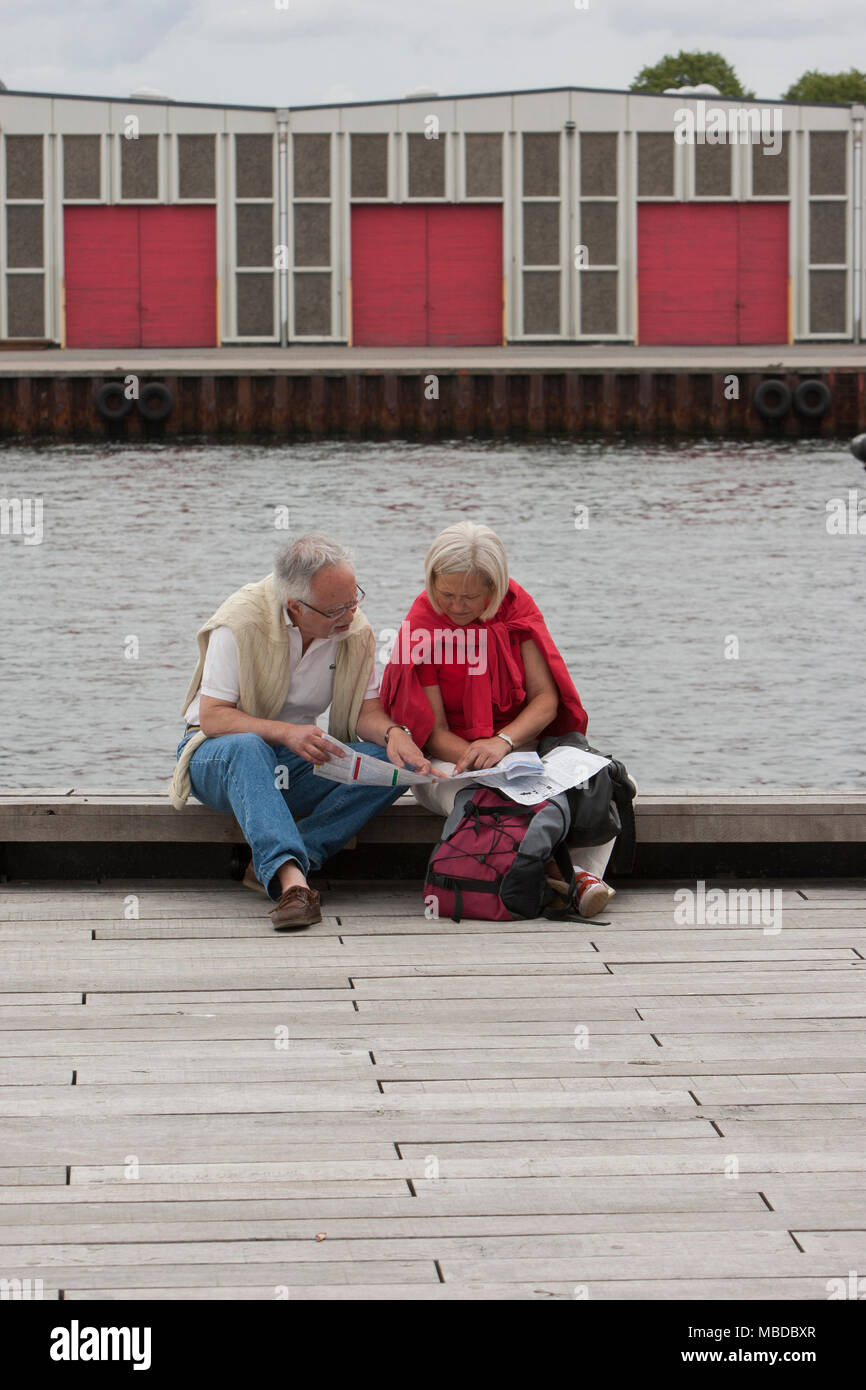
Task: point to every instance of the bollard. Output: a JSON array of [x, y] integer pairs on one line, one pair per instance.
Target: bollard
[[858, 447]]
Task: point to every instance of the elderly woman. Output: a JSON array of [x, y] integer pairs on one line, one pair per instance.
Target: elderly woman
[[482, 676]]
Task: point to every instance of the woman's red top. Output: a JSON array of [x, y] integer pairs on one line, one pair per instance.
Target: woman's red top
[[478, 668]]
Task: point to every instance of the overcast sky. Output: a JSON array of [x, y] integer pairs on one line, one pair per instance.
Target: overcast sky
[[319, 51]]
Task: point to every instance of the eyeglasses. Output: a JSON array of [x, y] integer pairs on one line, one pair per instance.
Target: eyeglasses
[[337, 612]]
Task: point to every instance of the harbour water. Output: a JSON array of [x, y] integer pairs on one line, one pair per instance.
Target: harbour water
[[713, 624]]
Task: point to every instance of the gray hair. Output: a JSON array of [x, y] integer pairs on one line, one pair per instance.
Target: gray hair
[[297, 563]]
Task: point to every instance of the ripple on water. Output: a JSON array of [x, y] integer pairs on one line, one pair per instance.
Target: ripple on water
[[687, 546]]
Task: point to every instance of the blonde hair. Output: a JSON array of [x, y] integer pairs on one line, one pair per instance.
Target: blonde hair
[[469, 548]]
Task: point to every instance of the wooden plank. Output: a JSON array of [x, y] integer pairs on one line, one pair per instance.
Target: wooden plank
[[842, 929], [588, 1271], [794, 1107], [242, 1098], [36, 999], [742, 1250], [298, 1079], [632, 1191], [701, 958], [161, 1183], [848, 1247], [266, 1049], [651, 1009], [768, 1071], [47, 932], [303, 955], [137, 1276], [135, 1226], [146, 1023], [636, 986], [110, 908], [763, 1289], [828, 1127], [344, 961], [25, 1071], [842, 964], [13, 1177], [167, 1001], [91, 1189], [684, 1073], [811, 1144], [37, 888], [167, 975]]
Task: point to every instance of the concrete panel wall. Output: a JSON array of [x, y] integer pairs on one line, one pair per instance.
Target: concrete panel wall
[[619, 149]]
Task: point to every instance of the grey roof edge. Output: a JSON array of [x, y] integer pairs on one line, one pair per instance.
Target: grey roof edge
[[445, 96], [144, 101]]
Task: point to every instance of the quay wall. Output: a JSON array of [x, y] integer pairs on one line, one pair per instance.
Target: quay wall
[[385, 403]]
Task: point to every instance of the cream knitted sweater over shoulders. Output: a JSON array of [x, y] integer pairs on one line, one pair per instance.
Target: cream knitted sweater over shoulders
[[255, 616]]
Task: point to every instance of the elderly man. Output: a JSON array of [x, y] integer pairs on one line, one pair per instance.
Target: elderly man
[[274, 656]]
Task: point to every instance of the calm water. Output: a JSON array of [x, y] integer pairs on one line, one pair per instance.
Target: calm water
[[687, 546]]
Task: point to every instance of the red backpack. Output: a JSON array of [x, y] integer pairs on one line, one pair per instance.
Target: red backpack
[[491, 861]]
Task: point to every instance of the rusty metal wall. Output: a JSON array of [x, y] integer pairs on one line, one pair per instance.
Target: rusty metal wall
[[379, 404]]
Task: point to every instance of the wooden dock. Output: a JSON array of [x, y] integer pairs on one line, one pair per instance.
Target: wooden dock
[[390, 1107]]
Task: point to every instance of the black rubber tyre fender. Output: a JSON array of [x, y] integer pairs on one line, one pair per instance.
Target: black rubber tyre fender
[[772, 400], [155, 401], [812, 399], [111, 402]]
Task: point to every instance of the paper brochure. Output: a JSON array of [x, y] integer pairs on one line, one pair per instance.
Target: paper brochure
[[524, 777]]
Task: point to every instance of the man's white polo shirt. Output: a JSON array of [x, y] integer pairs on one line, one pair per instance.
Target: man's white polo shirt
[[312, 683]]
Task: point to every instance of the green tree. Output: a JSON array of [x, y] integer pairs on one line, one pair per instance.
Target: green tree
[[687, 70], [828, 86]]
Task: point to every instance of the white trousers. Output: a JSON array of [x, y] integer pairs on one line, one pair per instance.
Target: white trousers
[[439, 797]]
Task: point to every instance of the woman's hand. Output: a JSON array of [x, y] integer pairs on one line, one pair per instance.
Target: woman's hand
[[484, 752], [404, 752]]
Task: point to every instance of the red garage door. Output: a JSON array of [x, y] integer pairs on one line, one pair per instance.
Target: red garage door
[[140, 277], [712, 273], [428, 275]]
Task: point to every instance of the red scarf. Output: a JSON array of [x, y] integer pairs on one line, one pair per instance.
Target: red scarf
[[501, 685]]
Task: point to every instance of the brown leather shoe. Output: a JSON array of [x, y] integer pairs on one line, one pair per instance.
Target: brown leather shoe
[[298, 907]]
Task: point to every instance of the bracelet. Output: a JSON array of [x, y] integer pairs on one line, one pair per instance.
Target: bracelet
[[509, 741], [396, 726]]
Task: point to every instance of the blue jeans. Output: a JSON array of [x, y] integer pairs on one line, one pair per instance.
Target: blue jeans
[[238, 773]]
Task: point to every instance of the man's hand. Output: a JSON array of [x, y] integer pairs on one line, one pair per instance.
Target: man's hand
[[483, 753], [311, 743], [404, 752]]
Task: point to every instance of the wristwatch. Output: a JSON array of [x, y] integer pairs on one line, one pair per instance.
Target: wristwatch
[[396, 726], [509, 741]]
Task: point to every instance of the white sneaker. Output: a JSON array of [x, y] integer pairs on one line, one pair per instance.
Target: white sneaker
[[593, 895]]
